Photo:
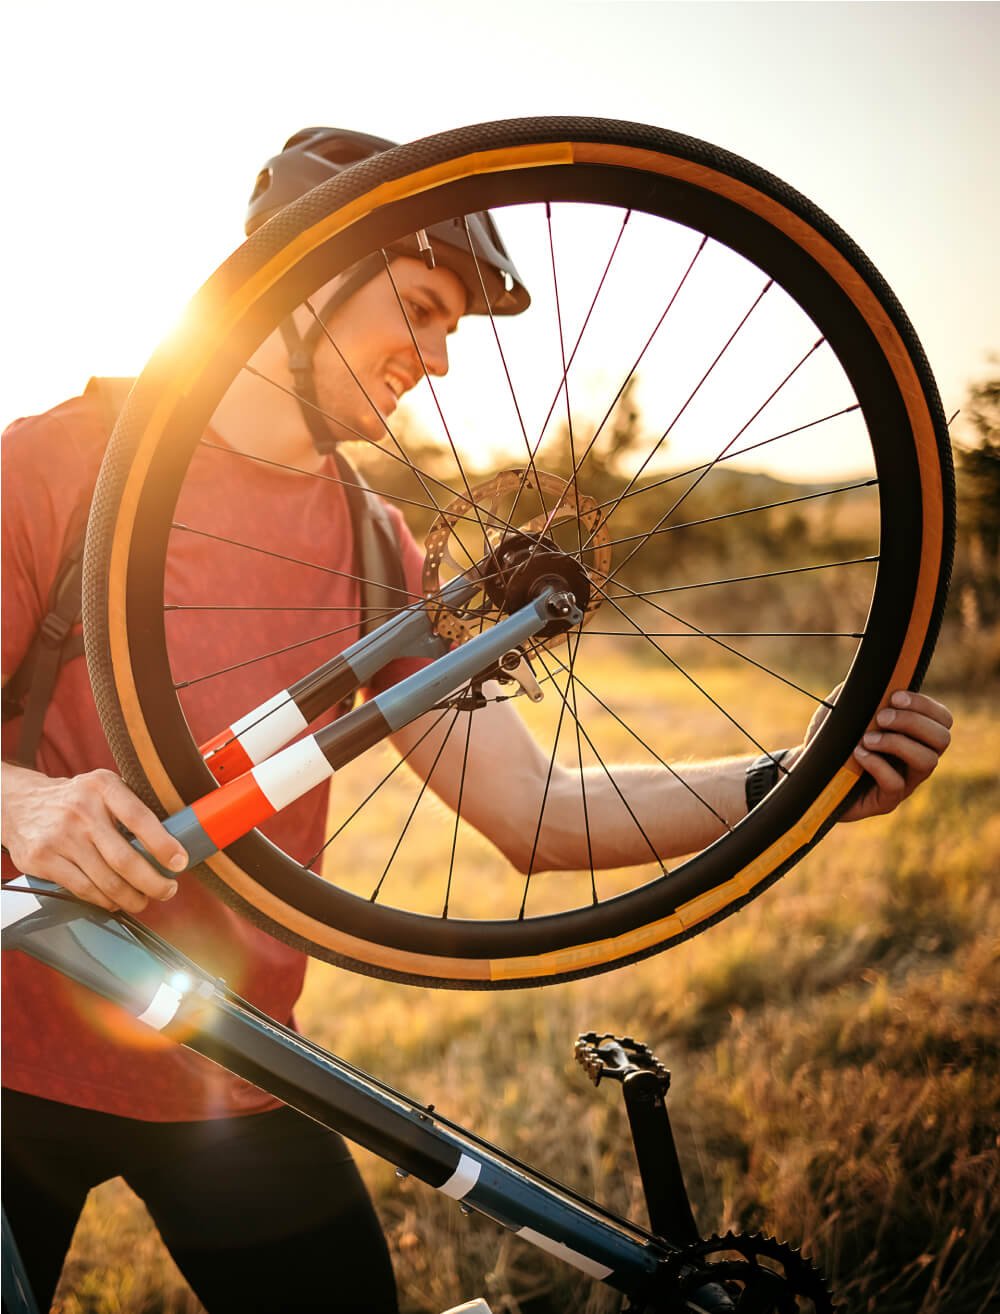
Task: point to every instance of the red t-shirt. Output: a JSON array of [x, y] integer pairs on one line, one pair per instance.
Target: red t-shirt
[[60, 1041]]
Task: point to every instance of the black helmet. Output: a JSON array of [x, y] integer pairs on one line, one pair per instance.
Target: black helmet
[[312, 156]]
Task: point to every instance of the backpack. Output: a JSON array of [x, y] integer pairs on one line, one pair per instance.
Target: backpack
[[29, 690]]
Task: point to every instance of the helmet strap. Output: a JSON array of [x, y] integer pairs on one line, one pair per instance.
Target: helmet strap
[[302, 347], [300, 364]]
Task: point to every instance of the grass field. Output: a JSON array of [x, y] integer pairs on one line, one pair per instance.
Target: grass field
[[836, 1079]]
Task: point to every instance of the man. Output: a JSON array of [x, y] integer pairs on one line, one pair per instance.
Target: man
[[258, 1206]]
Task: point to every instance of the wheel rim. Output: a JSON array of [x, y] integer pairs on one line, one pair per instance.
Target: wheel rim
[[572, 940]]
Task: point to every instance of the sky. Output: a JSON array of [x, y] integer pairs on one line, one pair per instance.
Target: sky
[[134, 132]]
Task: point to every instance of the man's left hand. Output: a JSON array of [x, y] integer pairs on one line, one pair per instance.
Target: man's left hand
[[900, 753]]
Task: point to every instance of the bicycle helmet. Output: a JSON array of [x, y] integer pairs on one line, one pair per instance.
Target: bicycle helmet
[[314, 155]]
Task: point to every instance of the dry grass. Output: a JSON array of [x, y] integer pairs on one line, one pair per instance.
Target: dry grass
[[836, 1080]]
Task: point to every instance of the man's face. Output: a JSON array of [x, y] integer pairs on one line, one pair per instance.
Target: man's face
[[387, 355]]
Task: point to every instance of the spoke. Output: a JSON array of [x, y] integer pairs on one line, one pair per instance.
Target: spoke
[[503, 362], [583, 793], [697, 632], [279, 556], [458, 815], [373, 614], [571, 687], [566, 365], [385, 424], [353, 373], [742, 579], [405, 594], [694, 392], [384, 494], [263, 657], [579, 338], [261, 606], [727, 456], [678, 501], [437, 405], [308, 684], [373, 898], [577, 464], [642, 743], [545, 791], [731, 634], [635, 364], [370, 795], [572, 645], [581, 731], [704, 692], [349, 430], [660, 528], [356, 433], [565, 374]]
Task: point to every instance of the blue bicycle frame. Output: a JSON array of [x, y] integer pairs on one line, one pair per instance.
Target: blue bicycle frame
[[123, 961]]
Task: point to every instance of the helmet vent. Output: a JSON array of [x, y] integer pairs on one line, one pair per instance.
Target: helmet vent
[[261, 185]]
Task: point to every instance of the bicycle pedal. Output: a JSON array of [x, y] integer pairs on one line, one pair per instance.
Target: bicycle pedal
[[616, 1057]]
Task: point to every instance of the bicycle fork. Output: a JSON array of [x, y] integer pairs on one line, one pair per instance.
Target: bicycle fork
[[224, 815]]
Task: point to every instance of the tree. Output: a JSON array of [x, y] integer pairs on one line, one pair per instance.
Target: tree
[[976, 578], [979, 469]]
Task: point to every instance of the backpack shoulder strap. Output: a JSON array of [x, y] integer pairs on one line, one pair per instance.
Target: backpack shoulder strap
[[379, 560], [28, 692]]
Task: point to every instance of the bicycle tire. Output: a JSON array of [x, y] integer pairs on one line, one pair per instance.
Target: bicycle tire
[[690, 183]]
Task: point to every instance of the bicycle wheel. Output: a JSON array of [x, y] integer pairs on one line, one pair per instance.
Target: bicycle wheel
[[711, 362]]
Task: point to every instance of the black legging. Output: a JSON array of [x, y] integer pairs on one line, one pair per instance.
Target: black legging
[[264, 1213]]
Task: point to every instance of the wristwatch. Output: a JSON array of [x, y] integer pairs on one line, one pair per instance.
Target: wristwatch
[[762, 776]]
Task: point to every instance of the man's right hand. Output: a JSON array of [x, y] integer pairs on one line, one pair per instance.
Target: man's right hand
[[66, 831]]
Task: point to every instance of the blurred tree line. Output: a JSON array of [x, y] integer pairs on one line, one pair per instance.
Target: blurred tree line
[[976, 579]]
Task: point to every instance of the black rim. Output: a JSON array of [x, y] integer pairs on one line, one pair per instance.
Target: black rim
[[892, 442]]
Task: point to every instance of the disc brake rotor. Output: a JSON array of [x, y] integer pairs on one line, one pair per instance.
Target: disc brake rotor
[[512, 557]]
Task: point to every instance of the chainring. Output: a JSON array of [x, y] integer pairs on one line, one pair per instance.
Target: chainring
[[760, 1275]]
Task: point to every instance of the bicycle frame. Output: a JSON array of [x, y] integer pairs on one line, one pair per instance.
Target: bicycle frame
[[125, 962]]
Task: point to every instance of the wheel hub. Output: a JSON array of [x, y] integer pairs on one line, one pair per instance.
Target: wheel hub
[[524, 565], [517, 561]]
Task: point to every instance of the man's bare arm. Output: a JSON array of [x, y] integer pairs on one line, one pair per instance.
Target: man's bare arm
[[510, 785], [630, 814]]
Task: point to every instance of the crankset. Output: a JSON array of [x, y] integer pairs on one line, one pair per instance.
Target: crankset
[[738, 1273], [758, 1274]]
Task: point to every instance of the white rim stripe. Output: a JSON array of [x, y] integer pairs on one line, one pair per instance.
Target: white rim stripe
[[562, 1251], [289, 775], [264, 730], [463, 1179], [162, 1007]]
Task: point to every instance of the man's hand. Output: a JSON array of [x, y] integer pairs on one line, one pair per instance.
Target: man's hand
[[900, 754], [66, 831]]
